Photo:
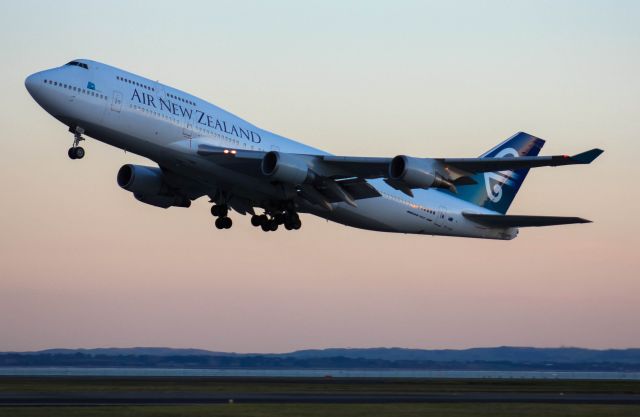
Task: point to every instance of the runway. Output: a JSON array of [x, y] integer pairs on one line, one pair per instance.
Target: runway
[[95, 391], [156, 398]]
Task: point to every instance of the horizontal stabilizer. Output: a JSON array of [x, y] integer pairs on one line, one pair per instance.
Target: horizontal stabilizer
[[497, 220]]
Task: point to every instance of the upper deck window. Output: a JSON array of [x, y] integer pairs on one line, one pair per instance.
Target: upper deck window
[[78, 64]]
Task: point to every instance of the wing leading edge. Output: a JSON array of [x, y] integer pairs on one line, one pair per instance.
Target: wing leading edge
[[476, 165]]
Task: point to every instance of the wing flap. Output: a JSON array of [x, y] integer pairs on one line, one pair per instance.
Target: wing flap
[[498, 220], [358, 188]]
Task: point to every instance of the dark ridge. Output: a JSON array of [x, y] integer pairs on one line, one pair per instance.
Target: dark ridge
[[498, 358]]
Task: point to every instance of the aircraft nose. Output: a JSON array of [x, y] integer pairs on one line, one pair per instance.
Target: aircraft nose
[[32, 83]]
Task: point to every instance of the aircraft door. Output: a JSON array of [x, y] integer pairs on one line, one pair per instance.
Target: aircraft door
[[187, 130], [116, 103], [441, 213]]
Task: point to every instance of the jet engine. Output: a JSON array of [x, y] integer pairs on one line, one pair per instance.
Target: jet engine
[[286, 168], [417, 172], [148, 186]]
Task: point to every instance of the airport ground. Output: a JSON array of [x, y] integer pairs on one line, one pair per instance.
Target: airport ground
[[258, 397]]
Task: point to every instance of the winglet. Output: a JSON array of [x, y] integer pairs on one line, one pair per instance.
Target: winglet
[[587, 157]]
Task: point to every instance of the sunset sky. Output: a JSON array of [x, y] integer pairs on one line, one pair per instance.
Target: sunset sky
[[83, 264]]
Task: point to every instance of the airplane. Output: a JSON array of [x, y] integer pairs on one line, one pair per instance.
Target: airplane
[[203, 150]]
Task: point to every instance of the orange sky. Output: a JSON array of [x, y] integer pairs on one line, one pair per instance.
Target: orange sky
[[83, 264]]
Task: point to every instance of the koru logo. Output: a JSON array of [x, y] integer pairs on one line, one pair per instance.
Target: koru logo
[[495, 180]]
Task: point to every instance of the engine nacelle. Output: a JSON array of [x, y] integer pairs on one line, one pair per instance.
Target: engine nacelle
[[417, 172], [148, 186], [286, 168]]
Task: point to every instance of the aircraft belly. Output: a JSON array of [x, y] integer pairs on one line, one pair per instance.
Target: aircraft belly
[[378, 214]]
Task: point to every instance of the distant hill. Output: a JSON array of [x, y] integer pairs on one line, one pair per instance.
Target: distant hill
[[152, 351], [496, 358], [502, 353]]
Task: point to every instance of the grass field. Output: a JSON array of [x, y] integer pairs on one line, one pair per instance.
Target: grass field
[[336, 410]]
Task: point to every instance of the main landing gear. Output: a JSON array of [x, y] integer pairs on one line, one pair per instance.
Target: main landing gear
[[75, 151], [270, 223], [221, 211]]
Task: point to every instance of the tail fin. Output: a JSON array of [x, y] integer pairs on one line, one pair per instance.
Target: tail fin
[[496, 190]]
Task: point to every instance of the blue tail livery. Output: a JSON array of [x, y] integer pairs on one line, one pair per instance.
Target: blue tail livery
[[496, 190]]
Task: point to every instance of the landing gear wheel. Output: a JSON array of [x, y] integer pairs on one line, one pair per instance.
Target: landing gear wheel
[[224, 223], [72, 153], [273, 225], [256, 220], [266, 227], [292, 221], [79, 152], [279, 218], [219, 210]]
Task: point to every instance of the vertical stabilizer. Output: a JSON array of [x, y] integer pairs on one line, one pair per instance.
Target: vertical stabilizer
[[496, 190]]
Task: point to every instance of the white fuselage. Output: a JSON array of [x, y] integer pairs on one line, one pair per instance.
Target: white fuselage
[[167, 125]]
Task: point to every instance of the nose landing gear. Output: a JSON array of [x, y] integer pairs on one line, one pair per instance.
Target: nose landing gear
[[75, 151]]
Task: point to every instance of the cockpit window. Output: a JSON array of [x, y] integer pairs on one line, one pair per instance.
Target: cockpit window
[[78, 64]]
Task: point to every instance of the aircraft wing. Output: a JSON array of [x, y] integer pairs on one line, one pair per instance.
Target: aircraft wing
[[407, 173], [325, 173], [476, 165], [379, 167], [371, 167]]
